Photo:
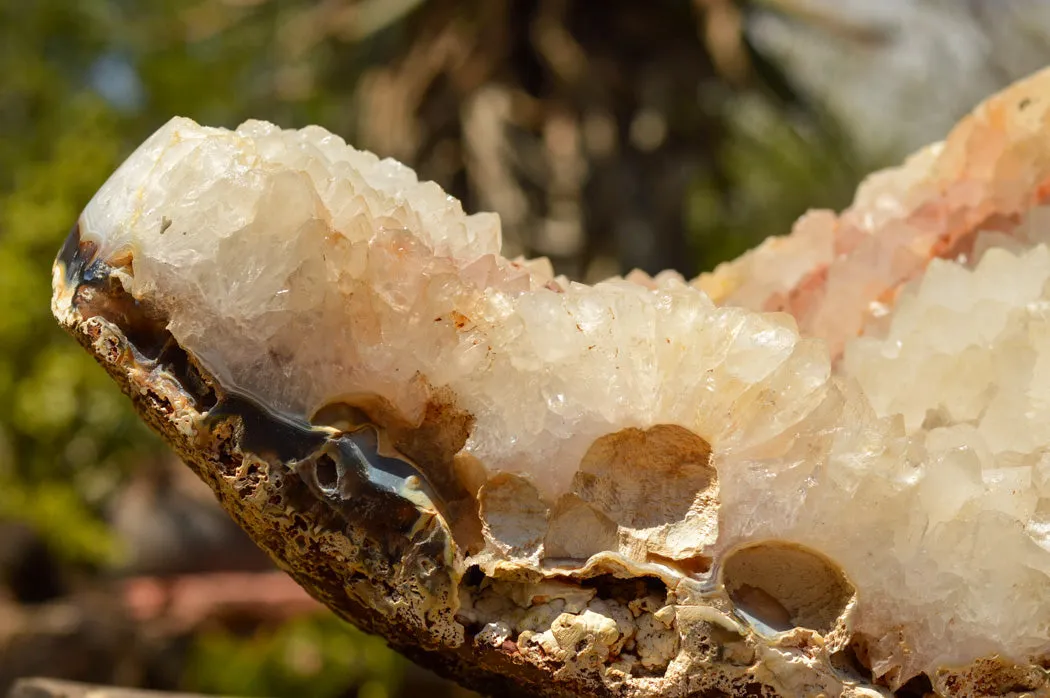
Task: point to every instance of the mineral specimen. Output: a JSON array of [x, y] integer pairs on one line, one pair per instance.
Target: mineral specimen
[[643, 487]]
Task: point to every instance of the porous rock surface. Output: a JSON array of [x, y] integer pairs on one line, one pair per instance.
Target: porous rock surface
[[820, 470]]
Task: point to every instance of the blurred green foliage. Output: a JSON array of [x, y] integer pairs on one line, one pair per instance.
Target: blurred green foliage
[[776, 166], [309, 657], [63, 430]]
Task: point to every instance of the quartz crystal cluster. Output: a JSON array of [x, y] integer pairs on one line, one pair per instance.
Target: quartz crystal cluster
[[305, 273], [832, 455]]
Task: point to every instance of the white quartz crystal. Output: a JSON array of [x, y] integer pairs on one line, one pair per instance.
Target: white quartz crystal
[[305, 272]]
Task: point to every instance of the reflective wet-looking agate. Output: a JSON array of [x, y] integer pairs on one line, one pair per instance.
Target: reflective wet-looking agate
[[619, 489]]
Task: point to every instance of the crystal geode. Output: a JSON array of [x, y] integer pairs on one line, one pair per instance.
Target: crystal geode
[[822, 469]]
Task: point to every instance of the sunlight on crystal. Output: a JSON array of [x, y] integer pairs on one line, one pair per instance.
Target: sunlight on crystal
[[903, 434]]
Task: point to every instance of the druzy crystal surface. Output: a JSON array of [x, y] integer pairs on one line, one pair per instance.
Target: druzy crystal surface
[[305, 273], [847, 430]]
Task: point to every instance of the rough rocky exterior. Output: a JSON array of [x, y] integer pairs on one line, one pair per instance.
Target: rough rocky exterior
[[821, 470]]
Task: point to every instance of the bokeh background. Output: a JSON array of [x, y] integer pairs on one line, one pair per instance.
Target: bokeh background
[[608, 135]]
